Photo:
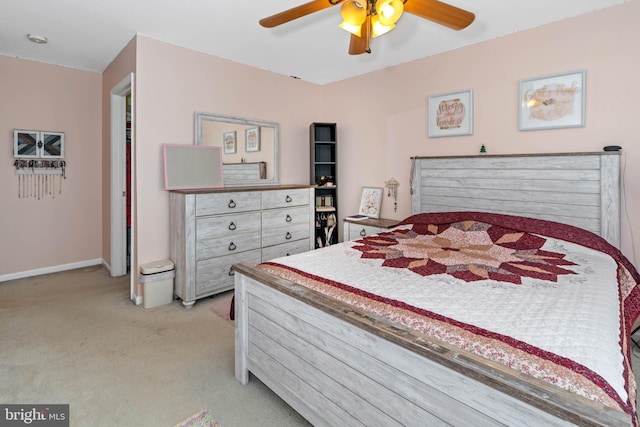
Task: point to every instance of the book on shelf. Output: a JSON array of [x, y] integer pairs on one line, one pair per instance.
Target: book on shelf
[[356, 217]]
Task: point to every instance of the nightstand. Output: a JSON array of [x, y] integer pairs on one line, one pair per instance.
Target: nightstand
[[354, 230]]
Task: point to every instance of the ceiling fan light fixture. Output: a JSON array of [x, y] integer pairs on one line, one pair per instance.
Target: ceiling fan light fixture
[[353, 13], [356, 30], [389, 11], [365, 19], [378, 28]]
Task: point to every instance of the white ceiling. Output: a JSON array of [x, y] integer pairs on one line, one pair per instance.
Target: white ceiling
[[89, 34]]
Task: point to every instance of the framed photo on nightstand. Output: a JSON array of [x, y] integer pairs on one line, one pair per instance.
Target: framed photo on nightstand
[[370, 202]]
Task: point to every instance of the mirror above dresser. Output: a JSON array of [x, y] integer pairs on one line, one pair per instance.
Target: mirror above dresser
[[249, 148]]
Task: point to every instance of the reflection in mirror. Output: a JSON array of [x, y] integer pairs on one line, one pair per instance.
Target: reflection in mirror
[[249, 148]]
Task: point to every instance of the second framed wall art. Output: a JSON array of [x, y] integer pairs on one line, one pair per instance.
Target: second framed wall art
[[451, 114], [553, 102]]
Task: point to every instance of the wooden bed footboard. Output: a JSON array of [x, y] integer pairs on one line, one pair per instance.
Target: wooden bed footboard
[[338, 366]]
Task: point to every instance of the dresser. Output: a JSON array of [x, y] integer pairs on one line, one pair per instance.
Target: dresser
[[213, 229], [354, 230]]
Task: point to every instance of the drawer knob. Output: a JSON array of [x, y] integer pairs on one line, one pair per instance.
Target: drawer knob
[[288, 199], [231, 272], [288, 236], [232, 226], [231, 204], [363, 233], [288, 219], [232, 246]]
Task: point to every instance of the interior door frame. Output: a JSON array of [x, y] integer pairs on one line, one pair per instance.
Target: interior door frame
[[119, 181]]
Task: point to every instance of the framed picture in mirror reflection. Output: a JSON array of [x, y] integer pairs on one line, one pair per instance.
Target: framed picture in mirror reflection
[[229, 142], [252, 139]]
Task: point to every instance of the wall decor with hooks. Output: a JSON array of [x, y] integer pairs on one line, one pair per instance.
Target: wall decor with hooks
[[40, 178], [38, 162], [392, 191]]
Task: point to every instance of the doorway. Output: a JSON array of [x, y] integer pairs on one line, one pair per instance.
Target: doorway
[[122, 171]]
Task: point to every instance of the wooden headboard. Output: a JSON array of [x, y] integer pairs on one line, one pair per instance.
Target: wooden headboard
[[580, 189]]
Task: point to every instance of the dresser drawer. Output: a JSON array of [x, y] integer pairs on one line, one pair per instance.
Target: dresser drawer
[[215, 227], [220, 203], [215, 274], [284, 217], [227, 245], [359, 231], [285, 249], [277, 235], [283, 198]]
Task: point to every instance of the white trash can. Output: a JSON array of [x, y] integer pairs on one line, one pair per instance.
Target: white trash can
[[157, 282]]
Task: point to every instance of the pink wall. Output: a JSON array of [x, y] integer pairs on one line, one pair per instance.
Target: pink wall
[[377, 142], [40, 234], [173, 83]]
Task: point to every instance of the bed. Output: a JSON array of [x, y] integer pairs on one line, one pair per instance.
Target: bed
[[394, 329]]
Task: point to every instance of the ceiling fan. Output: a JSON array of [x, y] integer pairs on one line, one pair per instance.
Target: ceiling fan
[[367, 19]]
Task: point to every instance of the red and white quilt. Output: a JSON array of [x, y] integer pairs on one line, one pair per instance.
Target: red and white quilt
[[547, 299]]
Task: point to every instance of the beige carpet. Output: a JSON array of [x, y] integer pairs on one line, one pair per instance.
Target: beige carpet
[[75, 338], [221, 305]]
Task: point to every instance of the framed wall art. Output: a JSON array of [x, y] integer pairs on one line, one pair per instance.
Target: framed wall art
[[38, 144], [553, 102], [451, 114], [229, 142], [252, 139], [370, 202]]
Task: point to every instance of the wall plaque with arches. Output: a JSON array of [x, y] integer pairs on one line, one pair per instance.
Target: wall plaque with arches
[[35, 144]]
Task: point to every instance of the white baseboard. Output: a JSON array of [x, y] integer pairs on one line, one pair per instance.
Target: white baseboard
[[136, 299], [52, 269], [106, 266]]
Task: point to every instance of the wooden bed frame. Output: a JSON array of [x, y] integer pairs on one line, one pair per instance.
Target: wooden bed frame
[[337, 365]]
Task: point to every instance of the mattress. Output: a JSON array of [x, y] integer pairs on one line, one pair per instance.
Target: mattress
[[549, 300]]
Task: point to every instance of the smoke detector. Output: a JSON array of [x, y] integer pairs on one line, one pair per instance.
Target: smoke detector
[[37, 38]]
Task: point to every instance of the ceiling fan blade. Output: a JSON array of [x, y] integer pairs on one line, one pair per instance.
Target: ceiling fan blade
[[357, 45], [441, 13], [297, 12], [360, 45]]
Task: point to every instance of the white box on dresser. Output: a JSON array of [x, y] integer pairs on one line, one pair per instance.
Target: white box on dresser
[[211, 230]]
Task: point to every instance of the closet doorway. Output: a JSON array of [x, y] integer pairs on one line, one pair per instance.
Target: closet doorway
[[122, 190]]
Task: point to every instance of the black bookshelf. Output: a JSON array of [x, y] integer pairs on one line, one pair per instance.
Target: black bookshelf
[[324, 168]]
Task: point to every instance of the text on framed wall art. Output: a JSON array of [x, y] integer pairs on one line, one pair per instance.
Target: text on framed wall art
[[553, 102], [451, 114]]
